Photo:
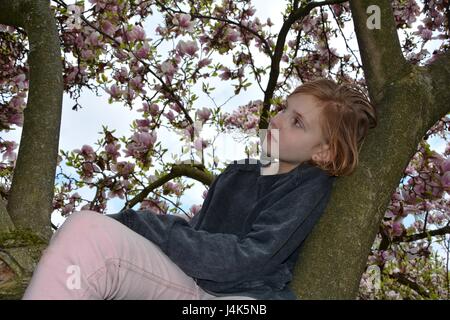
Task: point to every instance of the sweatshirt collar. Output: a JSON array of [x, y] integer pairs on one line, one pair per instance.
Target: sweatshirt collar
[[251, 164]]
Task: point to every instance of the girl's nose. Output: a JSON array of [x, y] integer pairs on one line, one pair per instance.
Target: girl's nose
[[275, 122]]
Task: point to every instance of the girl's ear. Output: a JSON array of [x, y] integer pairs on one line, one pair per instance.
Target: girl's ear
[[323, 154]]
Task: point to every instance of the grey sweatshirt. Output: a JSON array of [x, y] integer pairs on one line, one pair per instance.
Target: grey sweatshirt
[[246, 238]]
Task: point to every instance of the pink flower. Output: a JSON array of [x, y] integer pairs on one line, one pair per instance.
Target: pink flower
[[170, 187], [74, 17], [194, 209], [87, 54], [200, 144], [183, 21], [17, 103], [204, 114], [169, 115], [20, 81], [143, 123], [137, 83], [137, 33], [232, 35], [108, 28], [175, 107], [143, 52], [94, 39], [168, 68], [123, 168], [445, 180], [87, 152], [204, 62], [114, 91], [16, 118], [88, 170], [121, 75], [9, 153], [226, 74], [187, 47], [397, 229], [154, 109], [112, 149], [144, 138], [445, 165]]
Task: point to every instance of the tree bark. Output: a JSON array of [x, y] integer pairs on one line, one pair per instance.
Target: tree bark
[[30, 198], [410, 99], [25, 226]]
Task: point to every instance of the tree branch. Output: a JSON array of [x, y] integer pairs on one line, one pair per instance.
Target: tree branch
[[439, 71], [402, 279], [279, 48], [177, 170], [380, 49], [414, 237]]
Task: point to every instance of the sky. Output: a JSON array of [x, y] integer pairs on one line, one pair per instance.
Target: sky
[[83, 126]]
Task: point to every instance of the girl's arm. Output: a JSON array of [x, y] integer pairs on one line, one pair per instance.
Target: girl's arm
[[275, 234]]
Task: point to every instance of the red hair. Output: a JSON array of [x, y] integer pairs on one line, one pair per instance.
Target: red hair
[[345, 119]]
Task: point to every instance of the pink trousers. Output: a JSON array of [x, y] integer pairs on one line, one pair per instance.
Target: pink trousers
[[93, 256]]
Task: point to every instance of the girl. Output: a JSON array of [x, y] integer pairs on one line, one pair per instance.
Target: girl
[[244, 242]]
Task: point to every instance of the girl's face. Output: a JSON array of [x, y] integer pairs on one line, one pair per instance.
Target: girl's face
[[294, 134]]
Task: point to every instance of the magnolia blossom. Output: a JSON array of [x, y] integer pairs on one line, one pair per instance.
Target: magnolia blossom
[[232, 35], [187, 47], [194, 209], [169, 115], [108, 27], [112, 149], [168, 68], [175, 107], [143, 124], [141, 143], [143, 52], [123, 168], [137, 83], [88, 169], [226, 74], [204, 62], [183, 21], [200, 144], [20, 81], [8, 152], [137, 33], [171, 187], [114, 91], [74, 20], [445, 180], [154, 109], [16, 118], [203, 114], [87, 152], [94, 39]]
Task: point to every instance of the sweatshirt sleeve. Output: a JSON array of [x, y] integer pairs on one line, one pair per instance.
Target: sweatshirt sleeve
[[227, 257]]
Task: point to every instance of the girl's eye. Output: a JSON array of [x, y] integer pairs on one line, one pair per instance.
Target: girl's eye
[[299, 122]]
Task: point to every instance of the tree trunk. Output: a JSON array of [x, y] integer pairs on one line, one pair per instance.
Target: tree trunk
[[25, 227], [30, 198], [410, 99]]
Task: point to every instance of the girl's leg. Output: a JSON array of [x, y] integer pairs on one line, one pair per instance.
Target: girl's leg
[[93, 256]]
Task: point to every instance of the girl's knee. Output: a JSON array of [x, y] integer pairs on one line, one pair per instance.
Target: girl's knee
[[81, 224]]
